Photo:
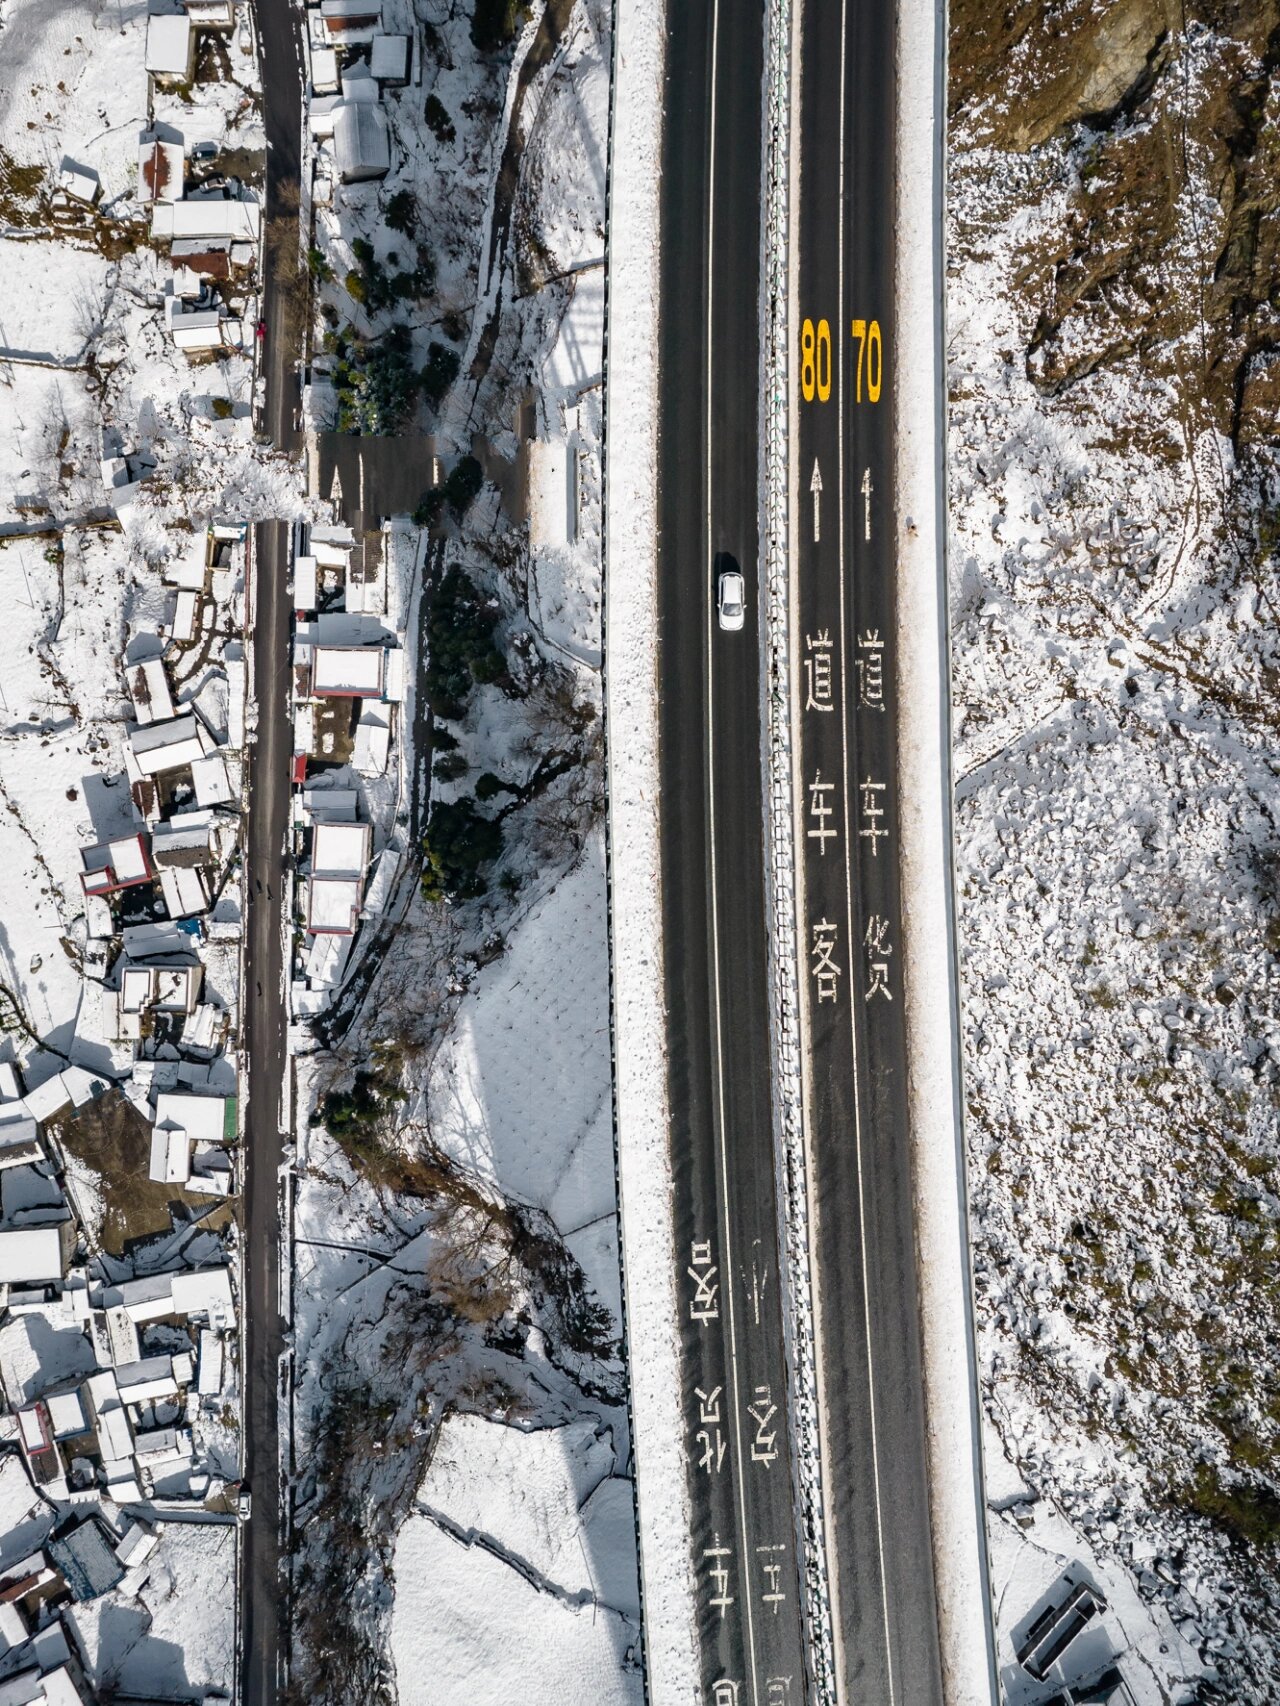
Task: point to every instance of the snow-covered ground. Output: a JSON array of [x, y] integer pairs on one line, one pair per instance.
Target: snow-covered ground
[[534, 1533], [463, 1492], [1114, 653]]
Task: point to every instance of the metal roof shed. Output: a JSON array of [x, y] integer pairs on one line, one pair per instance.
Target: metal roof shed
[[389, 59], [171, 47], [361, 142]]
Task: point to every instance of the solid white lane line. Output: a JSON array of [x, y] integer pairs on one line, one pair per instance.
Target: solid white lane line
[[848, 881], [727, 1265]]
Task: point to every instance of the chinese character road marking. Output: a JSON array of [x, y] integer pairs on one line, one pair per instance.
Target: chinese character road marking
[[708, 1437], [879, 948], [722, 1599], [820, 809], [871, 670], [702, 1271], [764, 1446], [873, 811], [817, 671], [826, 973], [772, 1570]]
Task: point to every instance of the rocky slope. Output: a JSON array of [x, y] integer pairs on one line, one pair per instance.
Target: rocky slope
[[1113, 339]]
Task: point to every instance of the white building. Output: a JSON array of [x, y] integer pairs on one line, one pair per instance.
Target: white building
[[171, 48], [361, 142], [149, 691]]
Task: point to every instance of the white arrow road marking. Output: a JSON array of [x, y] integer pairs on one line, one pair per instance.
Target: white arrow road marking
[[815, 486], [866, 502]]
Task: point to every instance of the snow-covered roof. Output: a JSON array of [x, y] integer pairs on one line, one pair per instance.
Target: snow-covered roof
[[79, 181], [48, 1099], [373, 742], [114, 865], [212, 784], [209, 1378], [340, 849], [552, 492], [205, 1292], [185, 832], [170, 45], [324, 70], [361, 142], [358, 83], [149, 691], [389, 58], [347, 671], [204, 1119], [161, 169], [184, 616], [329, 805], [66, 1413], [136, 1544], [353, 12], [165, 746], [206, 217], [31, 1254], [170, 1155], [333, 905], [145, 1381], [184, 892], [304, 583]]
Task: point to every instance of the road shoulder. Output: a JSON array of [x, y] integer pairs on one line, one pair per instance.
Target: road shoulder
[[931, 980], [635, 921]]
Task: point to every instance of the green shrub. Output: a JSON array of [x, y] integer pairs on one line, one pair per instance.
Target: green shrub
[[460, 648], [345, 1113], [402, 213], [487, 785], [430, 507], [462, 488], [494, 23], [438, 120], [459, 840], [318, 266], [376, 384], [356, 286], [450, 767], [439, 373], [1248, 1511]]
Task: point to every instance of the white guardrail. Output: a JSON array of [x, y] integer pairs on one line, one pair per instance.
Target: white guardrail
[[780, 845]]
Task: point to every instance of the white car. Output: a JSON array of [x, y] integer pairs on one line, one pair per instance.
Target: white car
[[244, 1503], [731, 596]]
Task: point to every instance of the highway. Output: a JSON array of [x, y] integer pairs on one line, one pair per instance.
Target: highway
[[751, 1647], [264, 1576], [850, 906], [879, 1550]]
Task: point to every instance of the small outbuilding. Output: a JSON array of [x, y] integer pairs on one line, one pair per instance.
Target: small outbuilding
[[171, 49], [362, 142]]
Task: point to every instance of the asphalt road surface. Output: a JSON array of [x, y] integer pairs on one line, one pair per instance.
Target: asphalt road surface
[[875, 1465], [264, 1598], [734, 1383]]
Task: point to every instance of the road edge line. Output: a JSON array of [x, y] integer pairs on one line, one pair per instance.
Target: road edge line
[[637, 989], [931, 983]]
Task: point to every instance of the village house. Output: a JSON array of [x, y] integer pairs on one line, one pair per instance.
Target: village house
[[114, 865]]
